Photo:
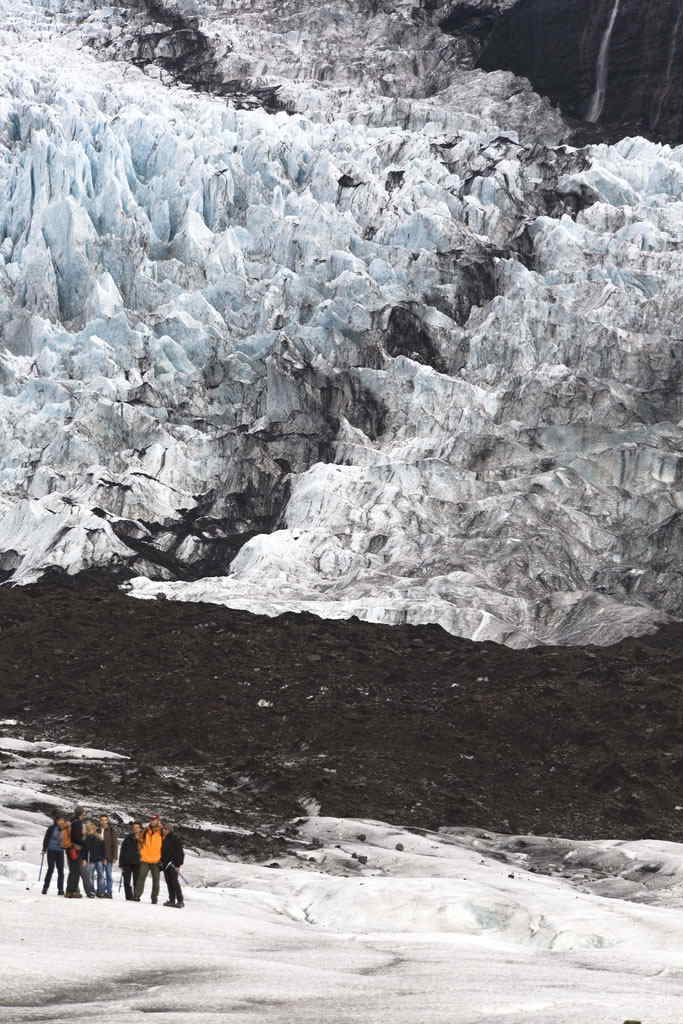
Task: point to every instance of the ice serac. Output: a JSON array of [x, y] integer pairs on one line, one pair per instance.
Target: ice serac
[[341, 325], [619, 64]]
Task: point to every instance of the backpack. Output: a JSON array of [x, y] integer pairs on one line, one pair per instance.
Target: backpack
[[66, 837]]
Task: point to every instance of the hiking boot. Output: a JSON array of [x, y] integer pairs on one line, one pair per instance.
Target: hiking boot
[[169, 903], [91, 896], [179, 906], [44, 892], [60, 892], [154, 902]]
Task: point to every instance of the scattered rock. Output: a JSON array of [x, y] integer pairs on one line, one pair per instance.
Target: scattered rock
[[217, 756]]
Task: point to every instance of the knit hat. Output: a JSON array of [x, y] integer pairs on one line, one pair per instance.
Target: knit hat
[[154, 818]]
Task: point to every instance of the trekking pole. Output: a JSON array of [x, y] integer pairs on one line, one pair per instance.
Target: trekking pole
[[178, 872], [120, 882], [42, 860]]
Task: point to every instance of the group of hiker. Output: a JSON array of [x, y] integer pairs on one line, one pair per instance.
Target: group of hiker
[[90, 849]]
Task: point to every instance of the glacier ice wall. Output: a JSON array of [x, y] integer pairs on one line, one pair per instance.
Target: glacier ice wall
[[394, 350]]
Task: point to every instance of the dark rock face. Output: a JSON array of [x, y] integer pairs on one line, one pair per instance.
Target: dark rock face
[[407, 336], [557, 45], [473, 19]]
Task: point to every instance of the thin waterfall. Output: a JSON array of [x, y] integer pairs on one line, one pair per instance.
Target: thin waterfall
[[597, 103], [673, 46]]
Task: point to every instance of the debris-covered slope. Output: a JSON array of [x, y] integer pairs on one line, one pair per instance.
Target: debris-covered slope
[[243, 720], [380, 346]]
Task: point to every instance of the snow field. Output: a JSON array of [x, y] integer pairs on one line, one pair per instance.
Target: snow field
[[431, 928]]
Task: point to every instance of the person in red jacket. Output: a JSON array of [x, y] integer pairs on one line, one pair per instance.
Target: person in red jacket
[[78, 870]]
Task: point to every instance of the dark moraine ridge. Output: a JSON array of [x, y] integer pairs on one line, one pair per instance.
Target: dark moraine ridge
[[556, 45], [405, 724]]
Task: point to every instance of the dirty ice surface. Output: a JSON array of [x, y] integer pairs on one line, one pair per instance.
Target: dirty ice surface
[[10, 743], [432, 927]]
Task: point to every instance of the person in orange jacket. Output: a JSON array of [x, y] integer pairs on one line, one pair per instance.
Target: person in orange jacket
[[150, 859]]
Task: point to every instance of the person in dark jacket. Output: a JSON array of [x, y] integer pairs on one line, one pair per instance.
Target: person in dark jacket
[[111, 849], [172, 859], [94, 856], [75, 856], [52, 848], [129, 858]]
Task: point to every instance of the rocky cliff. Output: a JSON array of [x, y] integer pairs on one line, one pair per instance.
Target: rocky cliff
[[615, 62]]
